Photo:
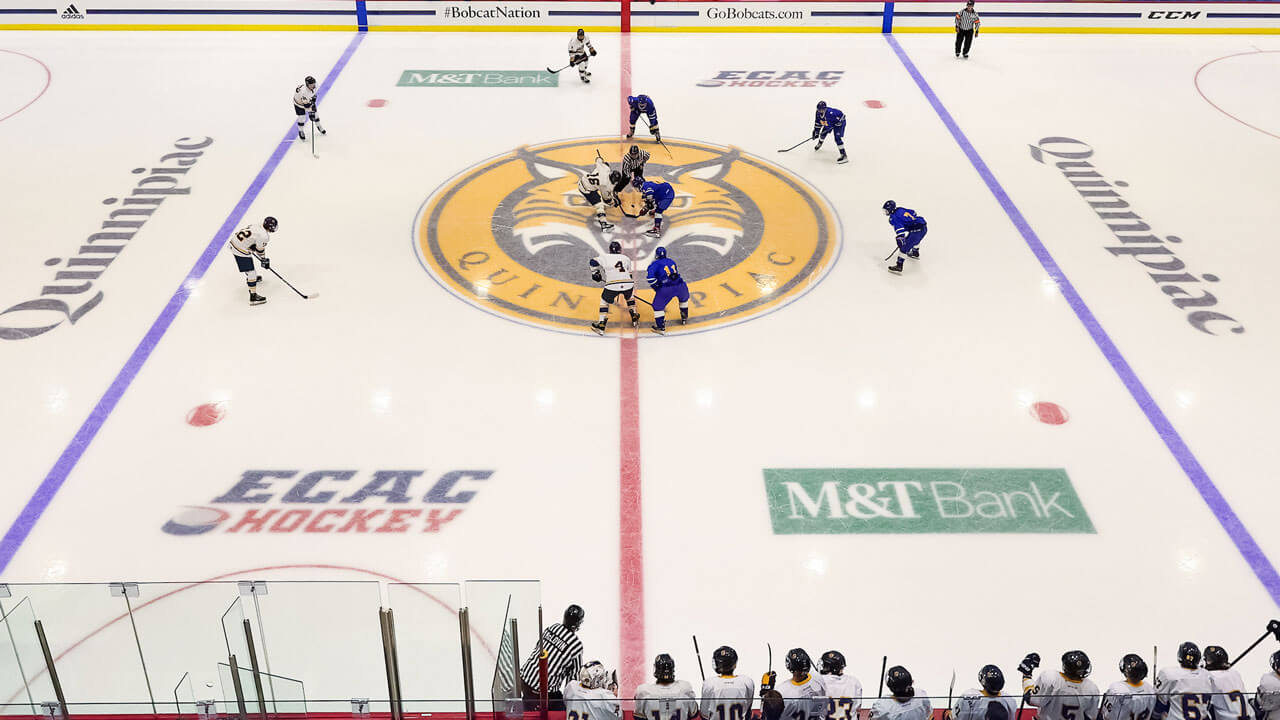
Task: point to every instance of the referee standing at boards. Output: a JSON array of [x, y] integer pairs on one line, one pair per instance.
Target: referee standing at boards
[[563, 650], [967, 24]]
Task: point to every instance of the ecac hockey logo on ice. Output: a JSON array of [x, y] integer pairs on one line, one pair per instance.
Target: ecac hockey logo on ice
[[328, 501], [513, 235], [774, 78], [926, 500]]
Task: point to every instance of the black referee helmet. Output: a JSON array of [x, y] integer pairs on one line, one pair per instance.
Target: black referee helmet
[[573, 616]]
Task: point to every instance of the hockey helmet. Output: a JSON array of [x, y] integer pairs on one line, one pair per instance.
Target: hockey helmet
[[664, 668], [581, 33], [1133, 667], [615, 177], [573, 617], [832, 662], [270, 224], [725, 658], [991, 679], [1275, 661], [593, 675], [1076, 665], [661, 254], [1215, 658], [822, 104], [1188, 654], [634, 151], [615, 248], [798, 660], [889, 206], [899, 681], [311, 82]]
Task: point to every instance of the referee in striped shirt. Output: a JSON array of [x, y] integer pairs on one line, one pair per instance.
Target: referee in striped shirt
[[967, 24], [564, 659]]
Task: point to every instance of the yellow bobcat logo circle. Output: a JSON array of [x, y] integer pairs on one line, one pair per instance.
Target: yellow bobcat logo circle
[[513, 235]]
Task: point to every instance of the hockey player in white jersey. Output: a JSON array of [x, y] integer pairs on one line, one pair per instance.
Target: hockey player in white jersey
[[906, 702], [1132, 698], [727, 696], [248, 243], [1229, 700], [1184, 692], [600, 186], [592, 696], [304, 106], [579, 47], [985, 702], [803, 694], [843, 692], [1065, 695], [1266, 702], [666, 698], [614, 270]]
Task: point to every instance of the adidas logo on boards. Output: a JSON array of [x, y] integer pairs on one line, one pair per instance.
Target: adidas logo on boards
[[72, 13]]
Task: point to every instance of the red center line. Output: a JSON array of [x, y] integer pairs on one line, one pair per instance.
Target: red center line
[[631, 551]]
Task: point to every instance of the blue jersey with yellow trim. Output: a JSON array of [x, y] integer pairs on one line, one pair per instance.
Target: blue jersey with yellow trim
[[659, 191], [905, 220], [828, 118], [664, 273]]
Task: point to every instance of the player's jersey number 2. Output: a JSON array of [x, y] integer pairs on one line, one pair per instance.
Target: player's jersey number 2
[[840, 709]]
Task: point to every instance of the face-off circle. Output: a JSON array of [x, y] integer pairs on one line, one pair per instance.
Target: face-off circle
[[513, 235]]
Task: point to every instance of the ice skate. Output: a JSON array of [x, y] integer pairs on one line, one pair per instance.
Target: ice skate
[[896, 269], [658, 329], [598, 327], [256, 299]]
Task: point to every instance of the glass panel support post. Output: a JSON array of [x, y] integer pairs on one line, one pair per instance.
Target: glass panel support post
[[235, 683], [53, 670], [253, 666], [468, 681]]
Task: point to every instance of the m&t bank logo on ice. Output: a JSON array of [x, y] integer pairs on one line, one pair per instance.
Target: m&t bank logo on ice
[[926, 500], [333, 501], [478, 78]]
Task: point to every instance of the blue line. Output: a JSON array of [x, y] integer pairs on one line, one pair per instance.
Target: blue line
[[362, 16], [1239, 534], [886, 27], [44, 494], [993, 13]]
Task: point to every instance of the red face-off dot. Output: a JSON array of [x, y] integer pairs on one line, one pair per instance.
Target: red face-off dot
[[377, 102], [873, 104], [206, 414], [1049, 413]]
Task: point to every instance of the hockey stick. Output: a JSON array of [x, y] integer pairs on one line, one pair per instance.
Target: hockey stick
[[566, 67], [1273, 628], [793, 147], [884, 663], [951, 689], [313, 141], [695, 645], [664, 145], [291, 287]]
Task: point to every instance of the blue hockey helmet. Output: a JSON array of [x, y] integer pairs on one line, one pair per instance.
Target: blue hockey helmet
[[637, 182], [889, 207], [661, 254], [822, 104], [631, 99]]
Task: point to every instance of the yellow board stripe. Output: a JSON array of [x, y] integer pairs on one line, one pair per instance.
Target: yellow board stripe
[[643, 29]]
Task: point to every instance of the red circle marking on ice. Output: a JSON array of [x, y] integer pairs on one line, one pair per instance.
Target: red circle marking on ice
[[377, 102], [1049, 413], [873, 104], [206, 414], [48, 79]]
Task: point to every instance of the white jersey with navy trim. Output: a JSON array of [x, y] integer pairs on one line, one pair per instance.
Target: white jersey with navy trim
[[805, 700], [977, 704], [250, 240], [304, 97], [727, 697], [584, 703], [617, 271], [1229, 700], [1127, 701], [1268, 695], [1061, 698], [580, 47], [672, 701], [1187, 691], [597, 180], [914, 708], [844, 696]]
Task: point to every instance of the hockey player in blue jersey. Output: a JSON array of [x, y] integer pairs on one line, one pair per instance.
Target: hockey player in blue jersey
[[643, 105], [909, 228], [829, 120], [666, 282], [657, 198]]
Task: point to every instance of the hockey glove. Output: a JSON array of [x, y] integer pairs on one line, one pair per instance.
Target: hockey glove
[[767, 682], [815, 133], [595, 275], [266, 263], [593, 52], [1273, 627], [1032, 660]]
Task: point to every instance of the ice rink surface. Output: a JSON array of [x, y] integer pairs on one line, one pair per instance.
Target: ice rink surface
[[505, 435]]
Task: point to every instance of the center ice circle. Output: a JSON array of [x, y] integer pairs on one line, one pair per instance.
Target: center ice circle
[[513, 236]]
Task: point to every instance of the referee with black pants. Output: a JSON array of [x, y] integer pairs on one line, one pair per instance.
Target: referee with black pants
[[563, 650], [967, 24]]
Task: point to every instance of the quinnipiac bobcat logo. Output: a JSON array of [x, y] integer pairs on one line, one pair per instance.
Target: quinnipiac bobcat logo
[[513, 236]]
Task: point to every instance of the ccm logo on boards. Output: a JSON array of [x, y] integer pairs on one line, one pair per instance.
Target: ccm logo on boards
[[1173, 14]]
